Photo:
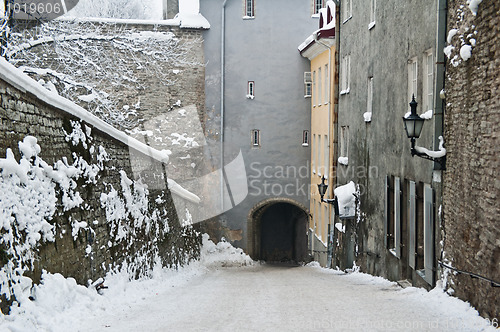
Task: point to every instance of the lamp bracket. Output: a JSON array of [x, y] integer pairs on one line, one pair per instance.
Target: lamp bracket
[[441, 160]]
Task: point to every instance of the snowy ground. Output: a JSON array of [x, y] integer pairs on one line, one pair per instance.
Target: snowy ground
[[226, 291]]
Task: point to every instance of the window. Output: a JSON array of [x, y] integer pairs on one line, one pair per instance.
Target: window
[[325, 156], [305, 138], [318, 4], [428, 274], [428, 95], [255, 137], [369, 101], [318, 152], [412, 218], [373, 5], [325, 224], [307, 84], [314, 147], [412, 78], [327, 84], [346, 73], [315, 93], [320, 87], [344, 145], [347, 9], [392, 220], [251, 90], [249, 8]]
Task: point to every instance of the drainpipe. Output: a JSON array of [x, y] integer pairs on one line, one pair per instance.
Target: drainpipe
[[440, 69], [222, 78], [439, 108]]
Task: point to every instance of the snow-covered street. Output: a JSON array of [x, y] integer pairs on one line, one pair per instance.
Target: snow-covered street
[[285, 298], [226, 291]]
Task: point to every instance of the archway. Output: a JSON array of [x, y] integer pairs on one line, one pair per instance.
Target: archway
[[277, 231]]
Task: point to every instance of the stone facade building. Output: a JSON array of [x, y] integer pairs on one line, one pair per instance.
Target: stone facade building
[[471, 184]]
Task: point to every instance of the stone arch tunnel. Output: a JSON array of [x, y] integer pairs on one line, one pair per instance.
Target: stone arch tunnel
[[277, 231]]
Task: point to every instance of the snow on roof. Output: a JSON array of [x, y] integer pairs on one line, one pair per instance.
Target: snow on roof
[[189, 15], [192, 21], [24, 83]]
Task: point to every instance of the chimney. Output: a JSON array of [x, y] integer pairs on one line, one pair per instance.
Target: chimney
[[170, 8]]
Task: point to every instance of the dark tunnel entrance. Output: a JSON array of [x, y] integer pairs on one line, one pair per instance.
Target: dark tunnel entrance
[[280, 233]]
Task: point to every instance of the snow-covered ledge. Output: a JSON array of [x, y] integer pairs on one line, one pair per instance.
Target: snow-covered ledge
[[24, 83]]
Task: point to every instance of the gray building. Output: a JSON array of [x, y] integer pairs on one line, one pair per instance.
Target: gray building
[[389, 51], [255, 89]]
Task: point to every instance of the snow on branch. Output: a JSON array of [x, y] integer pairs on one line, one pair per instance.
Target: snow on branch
[[434, 154], [91, 63]]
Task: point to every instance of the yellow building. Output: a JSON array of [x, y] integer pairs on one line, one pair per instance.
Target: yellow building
[[319, 48]]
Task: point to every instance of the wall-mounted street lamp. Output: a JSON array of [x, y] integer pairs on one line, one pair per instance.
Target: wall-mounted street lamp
[[413, 126], [322, 187]]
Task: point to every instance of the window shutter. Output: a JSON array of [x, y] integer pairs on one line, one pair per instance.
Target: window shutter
[[397, 216], [412, 225], [428, 234]]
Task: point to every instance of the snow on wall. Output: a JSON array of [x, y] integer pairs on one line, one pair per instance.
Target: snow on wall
[[18, 79], [461, 39]]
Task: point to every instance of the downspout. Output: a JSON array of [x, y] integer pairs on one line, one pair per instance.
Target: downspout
[[222, 78], [439, 102], [440, 75]]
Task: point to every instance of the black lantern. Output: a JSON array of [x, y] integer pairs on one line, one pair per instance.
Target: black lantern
[[322, 187], [413, 126], [413, 123]]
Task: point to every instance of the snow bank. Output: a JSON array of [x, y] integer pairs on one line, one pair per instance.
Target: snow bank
[[60, 304], [222, 254]]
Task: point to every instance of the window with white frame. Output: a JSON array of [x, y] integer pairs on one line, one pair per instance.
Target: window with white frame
[[307, 84], [318, 4], [255, 137], [314, 89], [326, 155], [314, 147], [325, 224], [412, 78], [369, 100], [327, 84], [251, 90], [317, 157], [347, 9], [344, 145], [428, 82], [346, 74], [305, 138], [249, 8], [373, 6], [320, 88]]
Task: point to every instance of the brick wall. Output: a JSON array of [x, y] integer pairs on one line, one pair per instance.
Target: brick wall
[[471, 191], [91, 251]]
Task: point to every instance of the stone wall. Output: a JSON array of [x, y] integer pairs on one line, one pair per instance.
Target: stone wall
[[119, 223], [472, 180], [150, 72]]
